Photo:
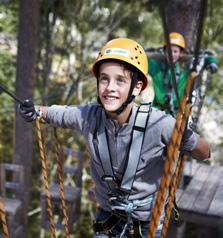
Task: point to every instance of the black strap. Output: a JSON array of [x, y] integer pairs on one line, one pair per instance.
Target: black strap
[[106, 226]]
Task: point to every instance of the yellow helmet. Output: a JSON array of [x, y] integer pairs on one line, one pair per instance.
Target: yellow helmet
[[176, 39], [126, 50]]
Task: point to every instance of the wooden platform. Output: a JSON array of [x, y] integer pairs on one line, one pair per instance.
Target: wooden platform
[[201, 201]]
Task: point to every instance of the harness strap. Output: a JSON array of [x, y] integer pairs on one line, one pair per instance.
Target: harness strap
[[106, 226], [133, 155], [118, 190], [136, 146], [104, 155], [169, 86]]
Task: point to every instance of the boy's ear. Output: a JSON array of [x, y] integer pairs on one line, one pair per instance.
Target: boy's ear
[[138, 87]]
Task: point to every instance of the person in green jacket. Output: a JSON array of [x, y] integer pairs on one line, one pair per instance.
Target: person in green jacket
[[159, 69]]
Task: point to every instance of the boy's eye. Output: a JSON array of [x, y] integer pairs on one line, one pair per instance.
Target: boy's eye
[[121, 80], [103, 79]]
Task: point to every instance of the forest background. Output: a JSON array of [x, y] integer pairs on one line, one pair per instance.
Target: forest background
[[46, 52]]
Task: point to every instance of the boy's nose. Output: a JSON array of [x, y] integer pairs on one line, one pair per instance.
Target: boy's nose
[[111, 84]]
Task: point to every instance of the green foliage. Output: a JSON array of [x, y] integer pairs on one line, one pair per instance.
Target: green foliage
[[213, 24], [71, 36], [9, 18], [7, 80], [71, 33]]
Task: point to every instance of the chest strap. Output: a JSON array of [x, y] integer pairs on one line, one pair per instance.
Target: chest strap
[[133, 156], [136, 146]]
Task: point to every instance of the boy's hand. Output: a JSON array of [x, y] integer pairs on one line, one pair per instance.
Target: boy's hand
[[213, 68], [27, 110]]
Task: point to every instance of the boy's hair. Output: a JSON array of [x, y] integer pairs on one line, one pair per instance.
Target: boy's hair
[[126, 66]]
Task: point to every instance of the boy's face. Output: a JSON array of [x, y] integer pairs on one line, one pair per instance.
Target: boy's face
[[113, 85], [176, 53]]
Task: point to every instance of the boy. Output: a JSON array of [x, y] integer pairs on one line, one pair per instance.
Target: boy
[[164, 94], [126, 166]]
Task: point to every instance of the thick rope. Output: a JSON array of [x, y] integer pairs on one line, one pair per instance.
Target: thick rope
[[60, 170], [171, 158], [175, 181], [181, 121], [2, 210], [3, 219], [45, 177]]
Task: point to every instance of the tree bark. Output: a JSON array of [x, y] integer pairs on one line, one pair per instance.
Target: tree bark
[[25, 82], [182, 17]]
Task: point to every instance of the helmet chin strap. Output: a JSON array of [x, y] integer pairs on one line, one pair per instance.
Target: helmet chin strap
[[124, 105], [130, 97]]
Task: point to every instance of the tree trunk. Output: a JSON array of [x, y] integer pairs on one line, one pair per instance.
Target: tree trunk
[[182, 17], [25, 82]]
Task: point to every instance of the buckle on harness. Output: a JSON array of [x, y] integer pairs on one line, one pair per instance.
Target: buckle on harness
[[115, 195], [139, 128], [112, 180], [108, 178]]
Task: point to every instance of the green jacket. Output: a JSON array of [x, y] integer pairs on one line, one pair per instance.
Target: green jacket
[[165, 97]]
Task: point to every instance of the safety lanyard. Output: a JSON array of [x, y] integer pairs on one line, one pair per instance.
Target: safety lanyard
[[168, 85], [133, 155]]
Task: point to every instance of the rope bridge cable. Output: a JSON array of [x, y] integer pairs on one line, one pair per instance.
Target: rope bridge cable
[[45, 177], [171, 158], [2, 210], [177, 174], [3, 220], [181, 122], [169, 51], [174, 183], [60, 162]]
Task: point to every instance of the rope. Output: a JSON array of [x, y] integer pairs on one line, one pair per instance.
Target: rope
[[61, 183], [177, 175], [171, 158], [199, 32], [45, 176], [3, 219], [167, 39], [181, 122]]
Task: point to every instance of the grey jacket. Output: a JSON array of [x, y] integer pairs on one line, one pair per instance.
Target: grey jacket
[[86, 120]]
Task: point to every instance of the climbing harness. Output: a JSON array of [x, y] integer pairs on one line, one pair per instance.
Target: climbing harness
[[168, 86], [120, 190]]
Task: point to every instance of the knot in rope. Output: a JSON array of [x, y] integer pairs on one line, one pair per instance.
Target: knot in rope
[[130, 206]]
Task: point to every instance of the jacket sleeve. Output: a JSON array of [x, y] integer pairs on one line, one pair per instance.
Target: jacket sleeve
[[74, 117], [189, 139]]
